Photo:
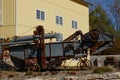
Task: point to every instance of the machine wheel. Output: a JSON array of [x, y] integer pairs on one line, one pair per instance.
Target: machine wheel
[[52, 64], [11, 68], [84, 65], [35, 67], [58, 62]]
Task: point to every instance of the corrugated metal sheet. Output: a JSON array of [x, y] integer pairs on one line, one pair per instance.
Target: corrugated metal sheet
[[8, 12], [7, 31], [8, 18]]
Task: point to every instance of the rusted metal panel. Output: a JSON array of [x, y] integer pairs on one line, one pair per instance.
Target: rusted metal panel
[[41, 48]]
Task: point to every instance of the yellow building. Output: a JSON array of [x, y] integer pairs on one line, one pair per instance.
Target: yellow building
[[20, 17]]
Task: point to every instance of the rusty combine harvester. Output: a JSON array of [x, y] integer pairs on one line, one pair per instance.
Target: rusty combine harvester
[[33, 53]]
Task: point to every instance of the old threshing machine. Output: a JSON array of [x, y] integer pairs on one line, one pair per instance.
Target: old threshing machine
[[33, 53]]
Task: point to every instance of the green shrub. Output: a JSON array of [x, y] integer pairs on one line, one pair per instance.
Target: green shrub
[[102, 69], [29, 73]]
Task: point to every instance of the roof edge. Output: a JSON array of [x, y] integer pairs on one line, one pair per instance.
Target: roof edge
[[87, 2], [83, 2]]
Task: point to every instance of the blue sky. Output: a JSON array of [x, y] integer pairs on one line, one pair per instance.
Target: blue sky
[[102, 3], [96, 2]]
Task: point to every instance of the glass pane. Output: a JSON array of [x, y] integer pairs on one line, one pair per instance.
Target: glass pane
[[57, 19], [42, 15], [72, 24], [38, 14], [76, 25], [61, 21]]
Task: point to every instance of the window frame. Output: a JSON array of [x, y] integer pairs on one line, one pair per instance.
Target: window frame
[[40, 14], [74, 24], [59, 20]]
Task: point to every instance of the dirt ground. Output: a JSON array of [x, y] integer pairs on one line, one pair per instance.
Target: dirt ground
[[17, 75], [26, 75]]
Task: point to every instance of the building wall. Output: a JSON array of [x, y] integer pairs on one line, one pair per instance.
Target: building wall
[[7, 27], [19, 17], [69, 10]]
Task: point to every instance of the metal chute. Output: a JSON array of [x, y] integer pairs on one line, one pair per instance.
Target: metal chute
[[100, 49], [94, 37]]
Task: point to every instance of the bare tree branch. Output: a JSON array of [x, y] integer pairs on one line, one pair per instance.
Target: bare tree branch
[[114, 9]]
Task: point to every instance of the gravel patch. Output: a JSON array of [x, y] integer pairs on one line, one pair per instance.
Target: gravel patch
[[59, 75]]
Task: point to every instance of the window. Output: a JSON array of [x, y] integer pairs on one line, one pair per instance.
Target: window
[[74, 24], [59, 20], [40, 15]]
